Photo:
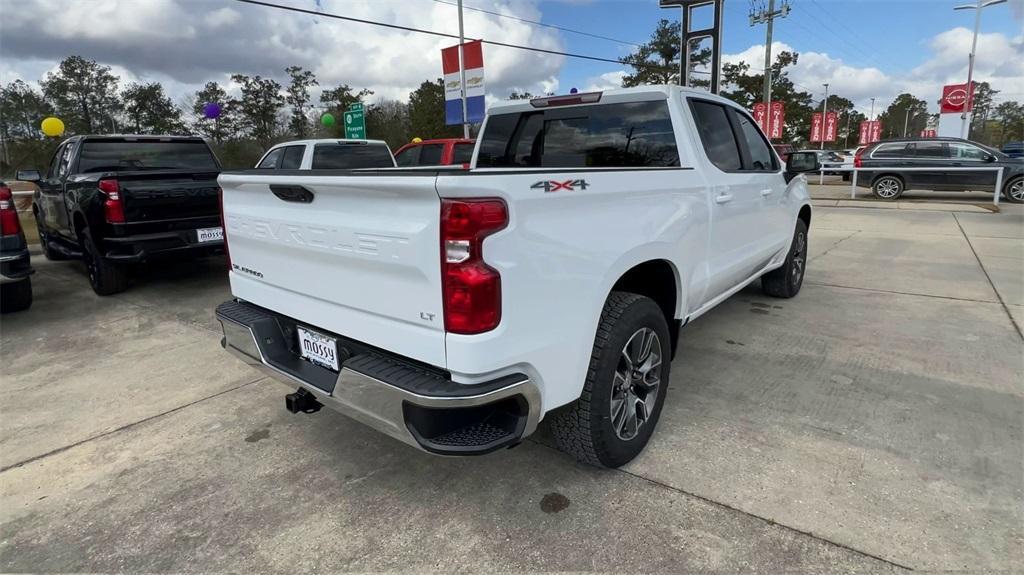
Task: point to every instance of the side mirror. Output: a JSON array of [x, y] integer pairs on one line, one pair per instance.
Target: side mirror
[[800, 162], [28, 176], [990, 158]]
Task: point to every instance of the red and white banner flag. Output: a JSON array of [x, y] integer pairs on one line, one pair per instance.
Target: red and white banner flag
[[876, 130], [955, 98], [761, 116], [865, 133], [474, 56], [816, 127], [928, 133], [777, 116], [831, 126]]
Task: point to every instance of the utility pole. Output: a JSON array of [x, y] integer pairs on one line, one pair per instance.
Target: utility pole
[[462, 76], [906, 122], [768, 17], [824, 114], [872, 116], [846, 137]]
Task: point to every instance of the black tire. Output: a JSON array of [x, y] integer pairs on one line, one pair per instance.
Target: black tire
[[585, 429], [16, 296], [1013, 191], [888, 187], [44, 242], [106, 278], [785, 281]]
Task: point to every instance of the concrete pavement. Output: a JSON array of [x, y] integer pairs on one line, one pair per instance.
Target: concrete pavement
[[873, 423]]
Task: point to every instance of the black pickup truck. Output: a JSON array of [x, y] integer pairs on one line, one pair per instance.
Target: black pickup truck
[[118, 200]]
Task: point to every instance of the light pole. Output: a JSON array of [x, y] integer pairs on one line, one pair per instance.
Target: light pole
[[824, 114], [981, 4]]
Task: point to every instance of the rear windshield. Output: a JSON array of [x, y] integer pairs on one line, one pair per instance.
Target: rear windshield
[[463, 154], [102, 156], [629, 135], [351, 156]]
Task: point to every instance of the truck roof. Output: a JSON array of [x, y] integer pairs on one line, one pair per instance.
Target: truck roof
[[133, 137], [615, 95], [327, 141]]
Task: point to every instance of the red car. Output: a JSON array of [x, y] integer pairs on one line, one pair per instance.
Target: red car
[[439, 152]]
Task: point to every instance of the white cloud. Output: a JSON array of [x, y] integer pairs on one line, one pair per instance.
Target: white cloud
[[605, 81], [185, 43]]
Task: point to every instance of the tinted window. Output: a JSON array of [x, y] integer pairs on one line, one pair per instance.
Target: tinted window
[[463, 154], [408, 156], [103, 155], [966, 151], [272, 159], [430, 154], [57, 156], [930, 150], [292, 158], [716, 135], [65, 162], [891, 151], [635, 134], [351, 156], [761, 157]]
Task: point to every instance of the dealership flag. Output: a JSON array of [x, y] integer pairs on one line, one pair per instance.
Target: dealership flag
[[816, 127], [831, 121], [865, 133], [761, 116], [474, 61], [777, 116], [876, 130]]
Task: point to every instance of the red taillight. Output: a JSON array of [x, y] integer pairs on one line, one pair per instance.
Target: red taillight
[[472, 289], [113, 206], [9, 224], [857, 162], [227, 253]]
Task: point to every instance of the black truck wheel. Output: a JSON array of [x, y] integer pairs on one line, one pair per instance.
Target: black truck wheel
[[16, 296], [625, 387], [106, 278], [785, 281]]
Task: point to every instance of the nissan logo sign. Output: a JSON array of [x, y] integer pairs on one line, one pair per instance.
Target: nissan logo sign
[[957, 97]]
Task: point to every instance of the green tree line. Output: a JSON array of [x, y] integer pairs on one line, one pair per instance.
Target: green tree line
[[657, 62], [90, 99]]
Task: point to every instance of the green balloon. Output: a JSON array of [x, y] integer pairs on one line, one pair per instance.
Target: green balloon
[[327, 120]]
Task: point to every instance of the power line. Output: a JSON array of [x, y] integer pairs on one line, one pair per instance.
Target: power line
[[537, 23], [445, 35]]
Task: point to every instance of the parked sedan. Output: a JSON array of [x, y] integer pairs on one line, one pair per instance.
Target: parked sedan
[[887, 158], [15, 268], [829, 161]]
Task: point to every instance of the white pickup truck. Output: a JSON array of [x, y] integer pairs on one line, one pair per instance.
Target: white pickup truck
[[453, 310]]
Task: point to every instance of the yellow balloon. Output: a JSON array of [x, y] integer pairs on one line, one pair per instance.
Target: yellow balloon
[[417, 140], [53, 126]]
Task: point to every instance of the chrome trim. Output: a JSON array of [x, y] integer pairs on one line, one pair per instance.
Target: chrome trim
[[371, 401]]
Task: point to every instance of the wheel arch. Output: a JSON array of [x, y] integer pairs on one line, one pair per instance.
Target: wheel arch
[[657, 279]]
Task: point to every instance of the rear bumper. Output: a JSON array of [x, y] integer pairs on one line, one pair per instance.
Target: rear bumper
[[415, 404], [137, 248], [15, 266]]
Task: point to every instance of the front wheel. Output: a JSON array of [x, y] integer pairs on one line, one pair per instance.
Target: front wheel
[[625, 387], [785, 281], [1013, 191]]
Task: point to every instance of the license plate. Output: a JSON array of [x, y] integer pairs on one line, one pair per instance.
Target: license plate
[[210, 235], [319, 349]]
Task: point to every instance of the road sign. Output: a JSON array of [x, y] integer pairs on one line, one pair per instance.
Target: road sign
[[355, 122]]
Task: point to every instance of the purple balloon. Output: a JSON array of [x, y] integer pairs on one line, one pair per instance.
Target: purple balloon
[[211, 110]]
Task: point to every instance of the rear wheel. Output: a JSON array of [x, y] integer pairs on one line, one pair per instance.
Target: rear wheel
[[106, 278], [16, 296], [625, 387], [887, 187], [785, 281], [1013, 191]]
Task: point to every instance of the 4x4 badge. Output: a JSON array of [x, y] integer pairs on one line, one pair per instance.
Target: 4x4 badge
[[555, 185]]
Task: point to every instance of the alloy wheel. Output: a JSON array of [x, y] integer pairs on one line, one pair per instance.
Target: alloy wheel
[[887, 187], [1017, 191], [636, 382], [799, 258]]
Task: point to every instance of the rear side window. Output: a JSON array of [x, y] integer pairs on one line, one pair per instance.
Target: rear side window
[[463, 154], [900, 150], [430, 155], [966, 151], [292, 158], [351, 156], [930, 150], [717, 136], [761, 156], [628, 135], [271, 160], [107, 155], [408, 156]]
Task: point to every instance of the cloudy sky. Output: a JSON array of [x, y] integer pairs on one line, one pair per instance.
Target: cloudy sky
[[864, 49]]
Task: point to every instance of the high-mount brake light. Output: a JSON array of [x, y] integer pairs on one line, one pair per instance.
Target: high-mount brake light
[[570, 100]]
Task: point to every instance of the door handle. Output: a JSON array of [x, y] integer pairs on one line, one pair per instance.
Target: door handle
[[292, 193], [723, 198], [766, 192]]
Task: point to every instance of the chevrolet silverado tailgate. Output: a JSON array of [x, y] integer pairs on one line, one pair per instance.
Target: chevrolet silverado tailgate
[[353, 254]]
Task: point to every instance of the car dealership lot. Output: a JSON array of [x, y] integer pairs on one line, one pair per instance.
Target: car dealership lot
[[871, 423]]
